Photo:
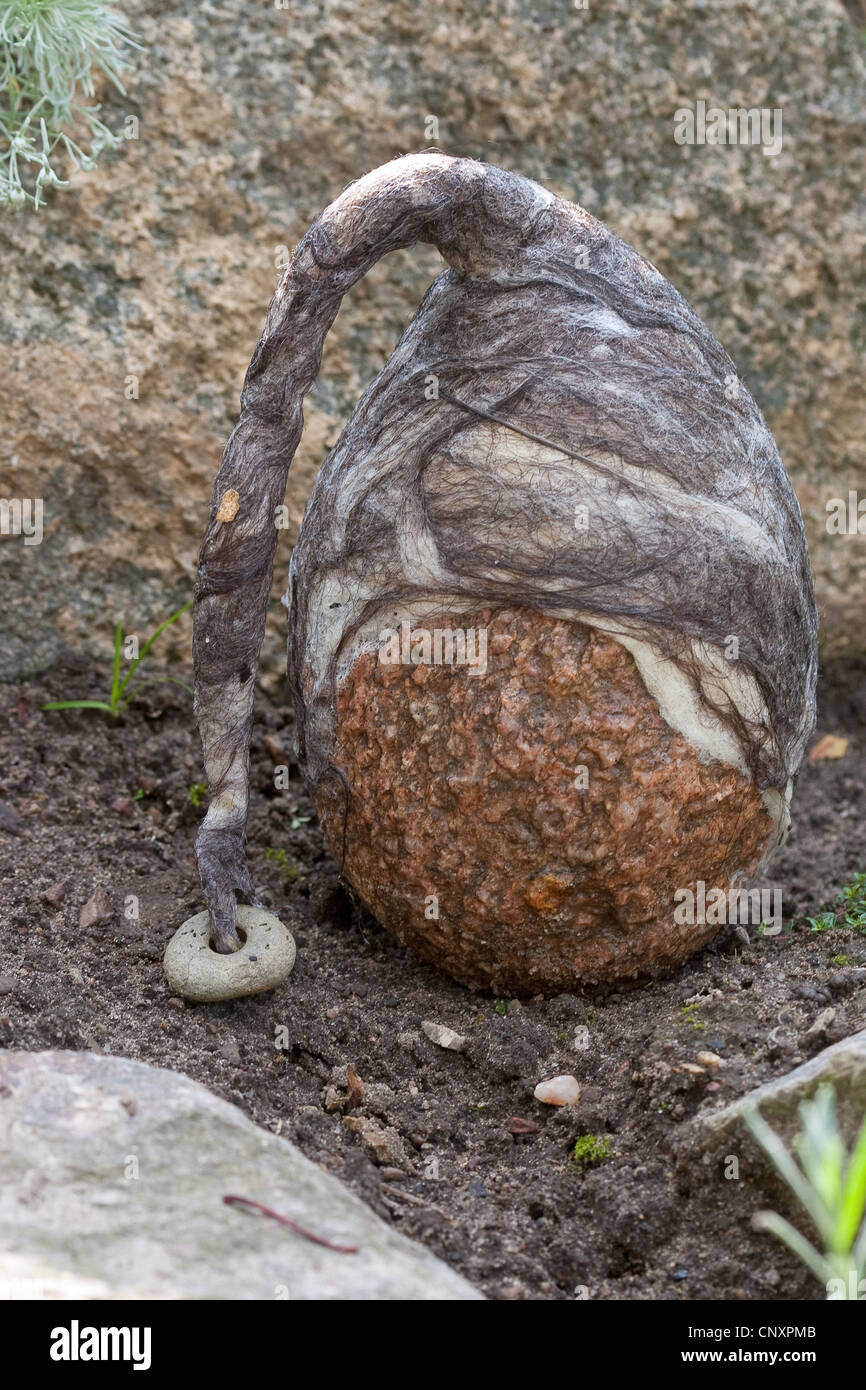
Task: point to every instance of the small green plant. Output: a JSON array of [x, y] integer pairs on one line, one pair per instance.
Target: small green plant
[[843, 960], [289, 872], [297, 821], [590, 1149], [196, 792], [139, 795], [119, 698], [847, 910], [49, 51], [829, 1185], [500, 1007]]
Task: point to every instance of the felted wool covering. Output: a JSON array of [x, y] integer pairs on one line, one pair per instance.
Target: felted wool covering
[[559, 454]]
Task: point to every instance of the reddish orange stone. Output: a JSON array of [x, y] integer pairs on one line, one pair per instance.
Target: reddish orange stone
[[467, 799]]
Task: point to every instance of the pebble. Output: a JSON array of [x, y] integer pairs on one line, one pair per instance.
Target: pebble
[[196, 971], [98, 908], [560, 1090], [443, 1036], [517, 1126], [822, 1023], [709, 1059], [7, 984], [384, 1143], [55, 894]]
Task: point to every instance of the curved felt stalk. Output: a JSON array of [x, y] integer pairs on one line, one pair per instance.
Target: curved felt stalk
[[475, 215]]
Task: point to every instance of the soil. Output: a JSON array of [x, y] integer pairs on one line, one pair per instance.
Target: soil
[[450, 1146]]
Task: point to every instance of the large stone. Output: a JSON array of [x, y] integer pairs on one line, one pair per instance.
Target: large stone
[[464, 793], [710, 1139], [152, 274], [113, 1178]]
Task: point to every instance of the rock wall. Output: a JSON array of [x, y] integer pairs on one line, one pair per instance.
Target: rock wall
[[133, 302]]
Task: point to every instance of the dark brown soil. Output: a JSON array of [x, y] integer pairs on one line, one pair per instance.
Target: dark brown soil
[[107, 806]]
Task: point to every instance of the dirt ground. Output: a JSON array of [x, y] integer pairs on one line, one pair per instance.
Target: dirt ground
[[442, 1149]]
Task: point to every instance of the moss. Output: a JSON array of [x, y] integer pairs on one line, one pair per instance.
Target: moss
[[590, 1149], [689, 1014]]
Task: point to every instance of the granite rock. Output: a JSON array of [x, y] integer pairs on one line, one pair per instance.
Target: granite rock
[[134, 300], [114, 1175]]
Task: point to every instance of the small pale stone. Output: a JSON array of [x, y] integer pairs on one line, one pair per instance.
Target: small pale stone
[[384, 1143], [821, 1023], [98, 908], [710, 1059], [560, 1090], [443, 1036], [196, 971]]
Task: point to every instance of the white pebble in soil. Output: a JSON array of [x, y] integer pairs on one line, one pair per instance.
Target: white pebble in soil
[[196, 971]]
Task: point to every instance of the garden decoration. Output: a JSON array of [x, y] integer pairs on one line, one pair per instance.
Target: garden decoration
[[552, 635]]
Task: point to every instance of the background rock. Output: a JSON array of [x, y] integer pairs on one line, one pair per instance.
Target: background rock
[[113, 1179], [160, 264]]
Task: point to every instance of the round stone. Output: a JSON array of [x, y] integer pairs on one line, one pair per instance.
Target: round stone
[[527, 828], [198, 972]]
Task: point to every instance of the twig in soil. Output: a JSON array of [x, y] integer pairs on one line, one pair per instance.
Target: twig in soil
[[397, 1194], [231, 1200]]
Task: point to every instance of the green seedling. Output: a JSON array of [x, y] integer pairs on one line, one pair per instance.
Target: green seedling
[[289, 872], [830, 1186], [848, 908], [196, 792], [119, 698], [50, 51]]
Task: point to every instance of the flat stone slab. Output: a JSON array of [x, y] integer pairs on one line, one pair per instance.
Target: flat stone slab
[[705, 1144], [113, 1178], [196, 971]]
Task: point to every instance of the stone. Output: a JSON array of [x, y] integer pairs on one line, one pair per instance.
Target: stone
[[712, 1136], [384, 1143], [132, 1163], [445, 1037], [199, 973], [98, 908], [539, 886], [7, 984], [149, 276], [55, 894], [559, 1090]]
